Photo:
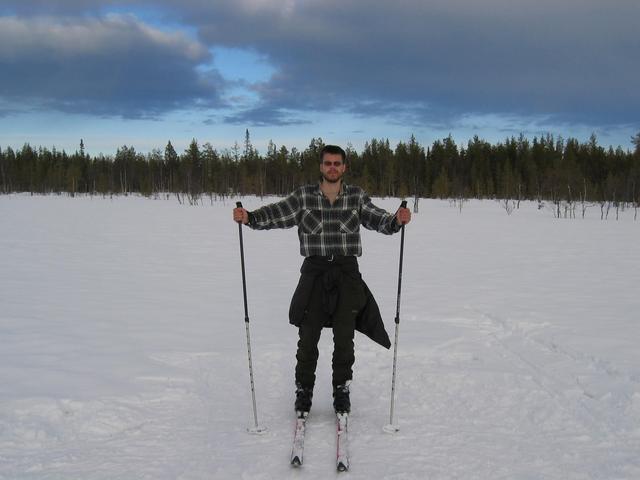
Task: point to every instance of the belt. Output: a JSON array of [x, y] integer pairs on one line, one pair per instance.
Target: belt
[[331, 258]]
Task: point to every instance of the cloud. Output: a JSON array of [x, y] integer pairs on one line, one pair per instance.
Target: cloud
[[416, 62], [114, 65], [438, 60], [266, 115], [59, 7]]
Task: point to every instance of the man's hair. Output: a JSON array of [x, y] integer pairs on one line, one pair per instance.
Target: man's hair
[[334, 149]]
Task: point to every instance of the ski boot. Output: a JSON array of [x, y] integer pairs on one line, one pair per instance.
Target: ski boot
[[304, 395], [341, 402]]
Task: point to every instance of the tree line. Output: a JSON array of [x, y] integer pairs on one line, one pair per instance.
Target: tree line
[[545, 168]]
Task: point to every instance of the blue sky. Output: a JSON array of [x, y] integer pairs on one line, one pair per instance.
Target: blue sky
[[141, 73]]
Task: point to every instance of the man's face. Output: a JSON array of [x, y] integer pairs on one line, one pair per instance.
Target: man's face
[[332, 167]]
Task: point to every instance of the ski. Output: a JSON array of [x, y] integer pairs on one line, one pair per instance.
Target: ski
[[342, 461], [298, 439]]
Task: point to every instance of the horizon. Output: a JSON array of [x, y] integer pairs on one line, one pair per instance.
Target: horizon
[[126, 72], [262, 148]]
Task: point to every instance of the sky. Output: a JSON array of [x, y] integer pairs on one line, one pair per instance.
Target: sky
[[141, 73]]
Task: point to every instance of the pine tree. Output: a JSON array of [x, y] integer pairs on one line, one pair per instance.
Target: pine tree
[[171, 162], [636, 141]]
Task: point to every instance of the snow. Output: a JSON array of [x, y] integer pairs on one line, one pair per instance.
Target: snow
[[123, 347]]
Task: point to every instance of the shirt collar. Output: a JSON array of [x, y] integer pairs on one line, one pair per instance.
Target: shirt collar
[[318, 191]]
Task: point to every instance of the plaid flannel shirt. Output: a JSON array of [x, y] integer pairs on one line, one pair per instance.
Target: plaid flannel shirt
[[326, 229]]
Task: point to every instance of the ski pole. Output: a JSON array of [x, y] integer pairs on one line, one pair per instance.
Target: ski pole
[[255, 429], [391, 427]]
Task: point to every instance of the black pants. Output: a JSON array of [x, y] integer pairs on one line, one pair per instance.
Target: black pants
[[351, 299]]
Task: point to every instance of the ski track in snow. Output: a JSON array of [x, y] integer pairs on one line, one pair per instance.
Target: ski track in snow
[[124, 352]]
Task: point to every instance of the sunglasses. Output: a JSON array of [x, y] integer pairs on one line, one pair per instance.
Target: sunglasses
[[327, 163]]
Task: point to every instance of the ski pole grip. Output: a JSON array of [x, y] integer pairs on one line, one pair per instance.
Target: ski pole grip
[[239, 205], [403, 204]]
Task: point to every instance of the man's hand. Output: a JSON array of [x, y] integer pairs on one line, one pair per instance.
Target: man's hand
[[403, 216], [240, 215]]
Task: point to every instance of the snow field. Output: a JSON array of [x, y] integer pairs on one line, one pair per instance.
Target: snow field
[[124, 351]]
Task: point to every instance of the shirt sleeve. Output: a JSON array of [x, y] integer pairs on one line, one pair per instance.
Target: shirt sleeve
[[375, 218], [282, 214]]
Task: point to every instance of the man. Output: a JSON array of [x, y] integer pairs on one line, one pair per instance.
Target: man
[[331, 292]]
